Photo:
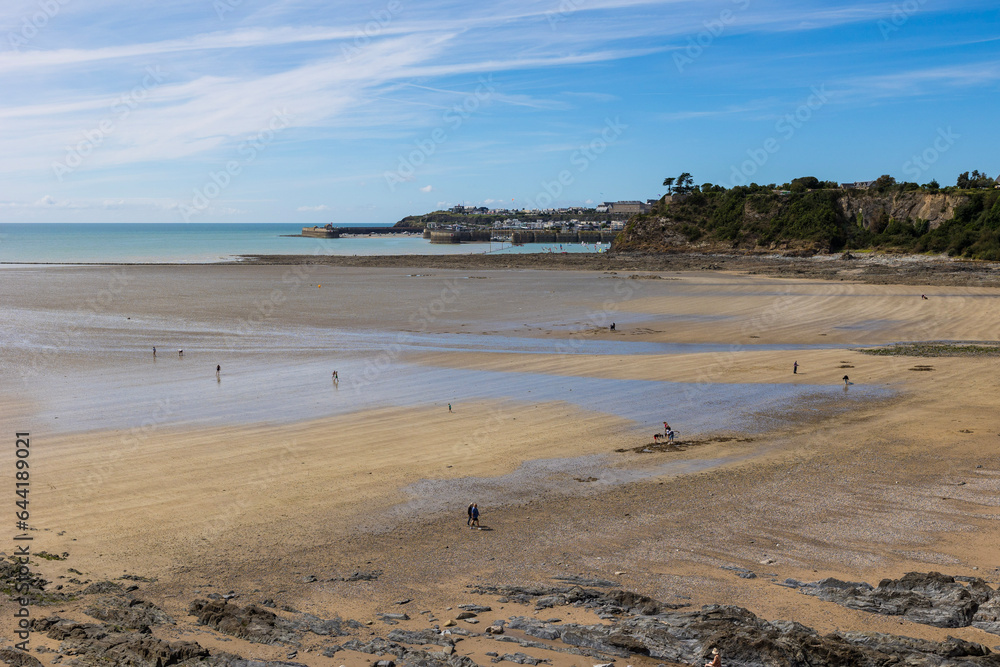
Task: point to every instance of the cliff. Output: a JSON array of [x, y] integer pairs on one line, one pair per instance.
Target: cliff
[[934, 208], [800, 223]]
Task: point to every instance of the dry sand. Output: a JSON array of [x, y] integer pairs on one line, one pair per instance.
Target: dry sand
[[861, 491]]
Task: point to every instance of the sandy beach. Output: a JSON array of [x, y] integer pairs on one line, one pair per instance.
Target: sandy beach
[[507, 388]]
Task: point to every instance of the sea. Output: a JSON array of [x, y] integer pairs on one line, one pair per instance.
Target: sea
[[200, 243]]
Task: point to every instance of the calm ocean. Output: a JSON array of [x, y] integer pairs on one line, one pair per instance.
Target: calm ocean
[[68, 243]]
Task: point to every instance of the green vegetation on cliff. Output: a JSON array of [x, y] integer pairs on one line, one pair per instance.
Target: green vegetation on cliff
[[963, 223], [448, 218]]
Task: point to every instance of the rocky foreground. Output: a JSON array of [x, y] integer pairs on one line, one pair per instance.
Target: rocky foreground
[[125, 628]]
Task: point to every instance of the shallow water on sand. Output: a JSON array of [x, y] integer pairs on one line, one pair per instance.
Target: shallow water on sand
[[87, 372], [99, 373], [34, 330], [185, 391]]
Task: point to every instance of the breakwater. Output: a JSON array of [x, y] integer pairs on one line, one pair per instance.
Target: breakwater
[[517, 236], [337, 232]]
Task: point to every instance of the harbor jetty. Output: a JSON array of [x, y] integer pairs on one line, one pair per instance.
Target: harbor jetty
[[331, 232]]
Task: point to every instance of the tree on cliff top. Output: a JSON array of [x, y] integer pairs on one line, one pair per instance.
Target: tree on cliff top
[[883, 183], [808, 182], [684, 183], [974, 181]]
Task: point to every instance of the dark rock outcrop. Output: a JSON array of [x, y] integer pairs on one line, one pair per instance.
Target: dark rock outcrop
[[612, 602], [929, 598], [29, 585], [104, 588], [252, 623], [96, 644], [15, 658], [100, 644], [360, 575], [128, 613], [428, 636], [745, 640], [748, 641]]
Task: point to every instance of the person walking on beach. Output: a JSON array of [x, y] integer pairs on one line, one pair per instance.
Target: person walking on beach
[[475, 516], [469, 520], [180, 353], [449, 407], [847, 381], [154, 351], [336, 378], [795, 368], [218, 369]]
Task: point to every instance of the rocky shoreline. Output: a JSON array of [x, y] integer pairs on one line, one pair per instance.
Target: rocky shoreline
[[866, 268], [633, 627]]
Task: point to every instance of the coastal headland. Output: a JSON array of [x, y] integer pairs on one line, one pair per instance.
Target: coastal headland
[[273, 513]]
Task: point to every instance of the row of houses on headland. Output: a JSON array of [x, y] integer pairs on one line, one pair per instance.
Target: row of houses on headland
[[537, 224], [629, 207]]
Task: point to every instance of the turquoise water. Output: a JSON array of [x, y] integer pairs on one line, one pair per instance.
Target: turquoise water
[[70, 243]]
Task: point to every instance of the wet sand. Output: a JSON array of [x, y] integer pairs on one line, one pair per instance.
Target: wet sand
[[272, 474]]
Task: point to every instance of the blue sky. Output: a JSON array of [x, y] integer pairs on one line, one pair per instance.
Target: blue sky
[[308, 111]]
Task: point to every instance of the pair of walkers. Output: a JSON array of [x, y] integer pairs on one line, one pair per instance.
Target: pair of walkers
[[473, 512]]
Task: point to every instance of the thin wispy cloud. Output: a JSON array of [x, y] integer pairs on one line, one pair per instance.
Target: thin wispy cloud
[[920, 82], [120, 106]]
